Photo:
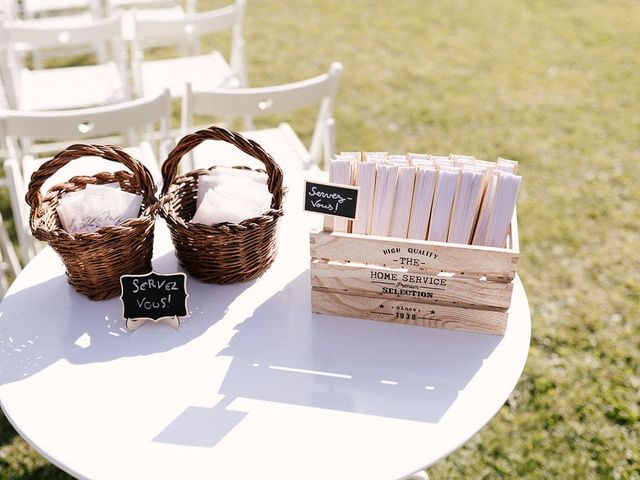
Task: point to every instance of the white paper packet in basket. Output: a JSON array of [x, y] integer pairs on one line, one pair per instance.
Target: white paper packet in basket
[[97, 206], [125, 205], [228, 203], [70, 210], [242, 179]]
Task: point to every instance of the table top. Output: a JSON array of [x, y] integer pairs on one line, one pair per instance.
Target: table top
[[252, 385]]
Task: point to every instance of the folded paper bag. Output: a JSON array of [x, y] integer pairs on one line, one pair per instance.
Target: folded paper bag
[[226, 204], [97, 206], [243, 180]]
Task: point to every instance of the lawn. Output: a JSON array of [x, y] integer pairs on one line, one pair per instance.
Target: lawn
[[553, 84]]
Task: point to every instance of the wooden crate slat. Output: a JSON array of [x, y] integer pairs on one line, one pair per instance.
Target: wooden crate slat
[[416, 256], [408, 313], [410, 286]]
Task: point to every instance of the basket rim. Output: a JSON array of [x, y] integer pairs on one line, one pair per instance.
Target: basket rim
[[172, 181], [40, 202], [171, 216]]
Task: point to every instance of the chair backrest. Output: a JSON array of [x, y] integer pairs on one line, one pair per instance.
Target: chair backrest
[[192, 25], [58, 14], [188, 30], [260, 101], [52, 9], [113, 5], [53, 36], [88, 123]]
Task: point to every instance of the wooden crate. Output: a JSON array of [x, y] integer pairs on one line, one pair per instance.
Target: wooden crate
[[430, 284]]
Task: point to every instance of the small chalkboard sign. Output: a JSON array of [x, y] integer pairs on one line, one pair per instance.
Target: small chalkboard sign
[[331, 199], [153, 296]]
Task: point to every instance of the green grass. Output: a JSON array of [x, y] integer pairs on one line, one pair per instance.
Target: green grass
[[553, 84]]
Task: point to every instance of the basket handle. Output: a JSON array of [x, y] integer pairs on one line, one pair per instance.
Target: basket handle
[[108, 152], [248, 146]]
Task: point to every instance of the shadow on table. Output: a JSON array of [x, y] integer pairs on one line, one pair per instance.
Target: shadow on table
[[96, 331], [357, 366]]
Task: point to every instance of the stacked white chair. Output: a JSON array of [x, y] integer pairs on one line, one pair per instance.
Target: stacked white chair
[[9, 261], [203, 71], [36, 15], [67, 87], [44, 110], [142, 126], [281, 142]]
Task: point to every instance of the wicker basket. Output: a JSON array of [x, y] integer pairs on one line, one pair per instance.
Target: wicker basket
[[96, 260], [225, 252]]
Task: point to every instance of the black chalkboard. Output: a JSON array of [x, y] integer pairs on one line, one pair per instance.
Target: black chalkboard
[[331, 199], [154, 296]]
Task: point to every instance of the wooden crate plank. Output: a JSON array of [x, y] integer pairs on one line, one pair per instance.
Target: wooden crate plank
[[408, 313], [411, 286], [416, 256]]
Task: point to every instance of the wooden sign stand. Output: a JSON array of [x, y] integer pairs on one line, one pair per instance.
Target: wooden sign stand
[[135, 323]]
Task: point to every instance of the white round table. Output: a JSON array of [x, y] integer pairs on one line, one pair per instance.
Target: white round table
[[252, 385]]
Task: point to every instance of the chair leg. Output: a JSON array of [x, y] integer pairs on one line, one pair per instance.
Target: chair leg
[[8, 252], [4, 283], [248, 123], [8, 259], [37, 60]]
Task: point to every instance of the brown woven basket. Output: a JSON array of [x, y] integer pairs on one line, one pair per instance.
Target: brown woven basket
[[96, 260], [226, 252]]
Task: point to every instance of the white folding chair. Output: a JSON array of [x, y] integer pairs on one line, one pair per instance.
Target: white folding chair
[[203, 71], [61, 19], [130, 124], [70, 87], [281, 142]]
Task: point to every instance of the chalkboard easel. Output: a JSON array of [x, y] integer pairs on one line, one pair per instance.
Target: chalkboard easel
[[153, 296]]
